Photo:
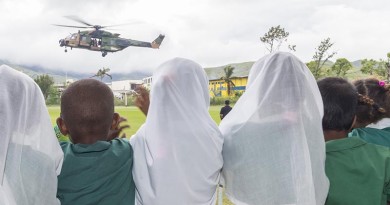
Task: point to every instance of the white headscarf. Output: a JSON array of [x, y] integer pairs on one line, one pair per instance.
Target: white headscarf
[[274, 149], [178, 151], [30, 156]]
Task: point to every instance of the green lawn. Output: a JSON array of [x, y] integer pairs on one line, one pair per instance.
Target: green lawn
[[134, 116]]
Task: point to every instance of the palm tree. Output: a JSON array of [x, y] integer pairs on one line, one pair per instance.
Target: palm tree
[[228, 77], [102, 72]]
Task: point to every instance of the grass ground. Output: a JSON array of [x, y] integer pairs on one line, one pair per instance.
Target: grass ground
[[135, 119], [134, 116]]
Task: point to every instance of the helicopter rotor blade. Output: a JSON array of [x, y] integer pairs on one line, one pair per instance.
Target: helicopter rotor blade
[[123, 24], [77, 19], [72, 26]]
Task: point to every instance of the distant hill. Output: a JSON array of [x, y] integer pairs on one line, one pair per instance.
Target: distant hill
[[357, 64], [241, 69], [59, 76]]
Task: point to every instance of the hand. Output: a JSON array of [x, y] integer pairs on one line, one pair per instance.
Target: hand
[[114, 133], [142, 100]]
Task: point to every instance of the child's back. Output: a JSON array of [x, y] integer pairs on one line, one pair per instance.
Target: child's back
[[357, 172], [95, 171]]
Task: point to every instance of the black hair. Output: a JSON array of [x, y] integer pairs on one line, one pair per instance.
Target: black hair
[[227, 102], [340, 101], [374, 101], [87, 108]]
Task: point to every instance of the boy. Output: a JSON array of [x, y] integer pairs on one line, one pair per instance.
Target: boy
[[225, 110], [95, 170], [359, 173]]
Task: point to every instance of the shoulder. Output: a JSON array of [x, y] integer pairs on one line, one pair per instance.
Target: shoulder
[[121, 143]]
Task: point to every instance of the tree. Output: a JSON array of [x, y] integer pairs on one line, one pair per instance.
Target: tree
[[321, 56], [228, 77], [44, 82], [274, 38], [341, 66], [368, 66], [387, 66], [102, 73]]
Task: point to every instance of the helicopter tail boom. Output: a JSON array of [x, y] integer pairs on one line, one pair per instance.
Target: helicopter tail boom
[[157, 42]]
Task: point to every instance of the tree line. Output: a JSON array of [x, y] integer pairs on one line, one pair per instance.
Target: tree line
[[277, 35]]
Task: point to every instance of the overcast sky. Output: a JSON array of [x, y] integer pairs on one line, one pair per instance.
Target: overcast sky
[[210, 32]]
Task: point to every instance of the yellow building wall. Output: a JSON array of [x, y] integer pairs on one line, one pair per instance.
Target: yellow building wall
[[218, 88]]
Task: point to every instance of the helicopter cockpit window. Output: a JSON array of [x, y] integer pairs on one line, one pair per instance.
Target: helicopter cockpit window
[[73, 36]]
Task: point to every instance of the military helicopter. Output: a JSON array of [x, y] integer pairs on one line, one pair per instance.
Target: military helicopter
[[100, 40]]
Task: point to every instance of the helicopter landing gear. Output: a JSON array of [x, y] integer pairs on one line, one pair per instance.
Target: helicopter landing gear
[[104, 53], [66, 50]]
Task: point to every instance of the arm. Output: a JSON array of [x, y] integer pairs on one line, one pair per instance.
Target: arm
[[142, 100]]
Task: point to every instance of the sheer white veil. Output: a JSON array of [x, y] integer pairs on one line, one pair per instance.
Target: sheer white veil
[[274, 149], [178, 151], [30, 156]]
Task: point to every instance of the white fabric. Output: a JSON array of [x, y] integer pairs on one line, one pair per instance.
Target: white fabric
[[30, 156], [274, 149], [381, 124], [177, 152]]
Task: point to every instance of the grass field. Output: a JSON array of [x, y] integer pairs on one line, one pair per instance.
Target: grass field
[[135, 118]]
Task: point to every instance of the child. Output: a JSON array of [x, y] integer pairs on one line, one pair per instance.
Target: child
[[373, 106], [274, 150], [95, 171], [30, 156], [178, 151], [359, 172]]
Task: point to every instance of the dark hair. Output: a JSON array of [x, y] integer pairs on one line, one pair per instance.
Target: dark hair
[[227, 102], [87, 107], [374, 101], [340, 100]]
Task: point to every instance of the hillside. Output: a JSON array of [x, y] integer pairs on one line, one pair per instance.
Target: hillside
[[59, 76]]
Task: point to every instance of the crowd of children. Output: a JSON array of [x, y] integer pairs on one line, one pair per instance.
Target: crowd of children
[[288, 140]]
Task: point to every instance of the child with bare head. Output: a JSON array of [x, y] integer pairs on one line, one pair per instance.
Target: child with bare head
[[374, 101], [87, 111], [95, 170], [373, 107]]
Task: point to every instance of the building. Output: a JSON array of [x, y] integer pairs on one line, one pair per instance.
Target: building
[[123, 88], [147, 82], [218, 87]]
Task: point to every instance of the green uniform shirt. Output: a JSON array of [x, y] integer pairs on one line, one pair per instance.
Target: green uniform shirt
[[372, 135], [359, 172], [97, 174]]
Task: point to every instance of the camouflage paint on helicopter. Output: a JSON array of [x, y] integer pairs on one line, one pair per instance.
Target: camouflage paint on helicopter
[[102, 41]]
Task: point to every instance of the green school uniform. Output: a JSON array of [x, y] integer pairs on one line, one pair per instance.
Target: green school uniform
[[372, 135], [97, 174], [359, 172]]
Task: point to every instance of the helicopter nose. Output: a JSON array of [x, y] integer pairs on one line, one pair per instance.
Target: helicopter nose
[[62, 42]]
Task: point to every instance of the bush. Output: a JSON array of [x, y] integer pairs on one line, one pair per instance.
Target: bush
[[53, 97], [221, 100]]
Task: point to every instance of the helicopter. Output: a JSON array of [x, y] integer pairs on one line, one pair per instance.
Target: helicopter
[[101, 40]]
